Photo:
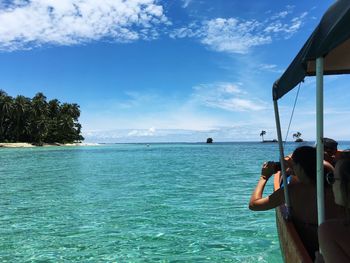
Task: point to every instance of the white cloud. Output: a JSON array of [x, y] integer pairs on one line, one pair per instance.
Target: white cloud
[[135, 99], [28, 23], [209, 112], [234, 35], [188, 121], [288, 29], [142, 133], [282, 14], [241, 131], [225, 35], [270, 67], [25, 24], [226, 96], [230, 88], [186, 3]]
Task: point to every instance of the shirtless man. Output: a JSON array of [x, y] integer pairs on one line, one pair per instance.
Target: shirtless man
[[331, 152]]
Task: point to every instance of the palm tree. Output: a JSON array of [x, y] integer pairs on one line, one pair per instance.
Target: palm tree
[[54, 108], [53, 121], [297, 137], [21, 106], [39, 105], [5, 115], [38, 120], [69, 126], [262, 133]]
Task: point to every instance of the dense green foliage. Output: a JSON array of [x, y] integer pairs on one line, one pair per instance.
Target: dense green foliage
[[37, 121]]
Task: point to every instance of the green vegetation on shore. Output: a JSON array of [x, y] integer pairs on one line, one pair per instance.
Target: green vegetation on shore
[[37, 120]]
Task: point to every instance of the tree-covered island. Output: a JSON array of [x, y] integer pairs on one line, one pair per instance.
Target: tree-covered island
[[38, 121]]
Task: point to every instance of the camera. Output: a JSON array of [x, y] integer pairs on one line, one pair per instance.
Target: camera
[[277, 166]]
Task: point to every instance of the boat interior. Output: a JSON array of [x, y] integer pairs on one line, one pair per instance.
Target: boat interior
[[298, 238]]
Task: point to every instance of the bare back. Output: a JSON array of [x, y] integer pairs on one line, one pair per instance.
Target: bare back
[[304, 204]]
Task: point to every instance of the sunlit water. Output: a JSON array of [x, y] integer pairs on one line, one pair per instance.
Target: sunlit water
[[134, 203]]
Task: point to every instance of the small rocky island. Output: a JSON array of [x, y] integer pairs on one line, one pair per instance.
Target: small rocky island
[[210, 140], [262, 133], [297, 137]]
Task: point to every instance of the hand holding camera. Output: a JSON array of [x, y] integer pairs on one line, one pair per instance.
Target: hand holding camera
[[269, 168]]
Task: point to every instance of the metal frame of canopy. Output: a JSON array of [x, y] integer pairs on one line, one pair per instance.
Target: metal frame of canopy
[[326, 52]]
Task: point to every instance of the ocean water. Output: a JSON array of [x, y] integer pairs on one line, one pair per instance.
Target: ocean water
[[135, 203]]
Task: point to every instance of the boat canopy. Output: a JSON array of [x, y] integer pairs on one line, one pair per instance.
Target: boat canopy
[[330, 40]]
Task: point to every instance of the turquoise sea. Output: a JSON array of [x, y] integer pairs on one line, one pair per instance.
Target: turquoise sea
[[136, 203]]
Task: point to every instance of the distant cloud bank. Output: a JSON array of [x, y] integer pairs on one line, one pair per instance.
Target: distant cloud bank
[[25, 24], [222, 134]]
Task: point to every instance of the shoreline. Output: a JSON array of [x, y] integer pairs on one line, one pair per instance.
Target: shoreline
[[29, 145]]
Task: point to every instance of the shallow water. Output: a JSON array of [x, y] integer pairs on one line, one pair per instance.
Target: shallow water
[[133, 203]]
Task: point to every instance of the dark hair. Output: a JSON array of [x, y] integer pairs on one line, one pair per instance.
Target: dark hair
[[330, 144], [305, 156]]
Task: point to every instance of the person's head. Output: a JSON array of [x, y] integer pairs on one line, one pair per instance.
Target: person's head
[[341, 183], [304, 160], [330, 146]]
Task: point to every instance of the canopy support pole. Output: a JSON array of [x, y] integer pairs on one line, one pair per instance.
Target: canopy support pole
[[283, 168], [319, 140]]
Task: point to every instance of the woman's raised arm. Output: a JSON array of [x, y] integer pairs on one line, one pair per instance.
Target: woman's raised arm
[[257, 201]]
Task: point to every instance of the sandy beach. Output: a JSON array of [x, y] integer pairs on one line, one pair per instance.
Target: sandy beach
[[16, 145], [29, 145]]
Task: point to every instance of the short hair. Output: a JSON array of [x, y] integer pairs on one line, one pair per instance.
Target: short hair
[[330, 143], [305, 156], [344, 174]]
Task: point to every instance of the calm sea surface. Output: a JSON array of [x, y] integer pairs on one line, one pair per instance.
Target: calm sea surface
[[133, 203]]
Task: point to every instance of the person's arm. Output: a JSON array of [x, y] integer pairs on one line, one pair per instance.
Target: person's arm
[[289, 164], [328, 166], [259, 203]]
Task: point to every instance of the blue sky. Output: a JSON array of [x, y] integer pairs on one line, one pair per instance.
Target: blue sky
[[160, 71]]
